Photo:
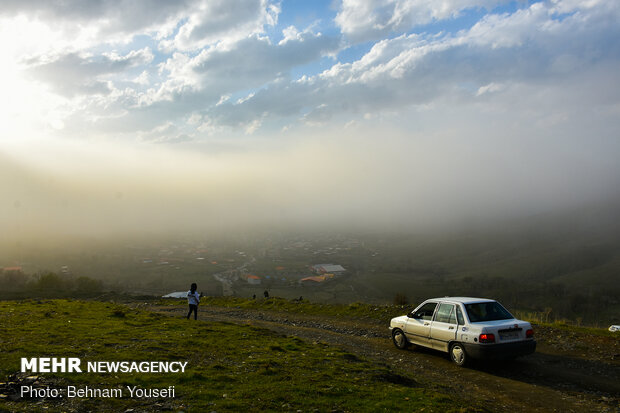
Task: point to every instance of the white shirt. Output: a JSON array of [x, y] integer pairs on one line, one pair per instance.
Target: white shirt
[[193, 298]]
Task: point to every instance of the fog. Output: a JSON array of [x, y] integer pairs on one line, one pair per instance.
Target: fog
[[355, 180]]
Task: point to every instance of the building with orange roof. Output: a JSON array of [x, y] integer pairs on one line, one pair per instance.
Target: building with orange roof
[[252, 279], [313, 279]]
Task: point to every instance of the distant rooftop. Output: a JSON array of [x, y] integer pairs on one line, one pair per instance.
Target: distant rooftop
[[315, 279], [330, 267]]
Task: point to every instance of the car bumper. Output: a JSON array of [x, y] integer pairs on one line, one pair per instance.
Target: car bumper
[[498, 351]]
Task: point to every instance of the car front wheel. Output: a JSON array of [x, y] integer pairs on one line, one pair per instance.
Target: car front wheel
[[458, 355], [399, 339]]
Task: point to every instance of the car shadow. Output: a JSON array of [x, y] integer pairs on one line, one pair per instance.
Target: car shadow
[[557, 372], [542, 369]]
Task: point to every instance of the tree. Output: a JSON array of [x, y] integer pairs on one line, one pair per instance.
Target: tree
[[400, 299]]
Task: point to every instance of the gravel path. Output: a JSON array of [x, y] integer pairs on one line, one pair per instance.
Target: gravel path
[[555, 379]]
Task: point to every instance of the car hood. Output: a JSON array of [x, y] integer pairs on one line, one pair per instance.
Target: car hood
[[399, 320]]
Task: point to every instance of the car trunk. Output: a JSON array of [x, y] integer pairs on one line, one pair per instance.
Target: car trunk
[[506, 330]]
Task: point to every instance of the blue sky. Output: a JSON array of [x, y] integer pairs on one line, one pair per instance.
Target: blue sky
[[245, 82]]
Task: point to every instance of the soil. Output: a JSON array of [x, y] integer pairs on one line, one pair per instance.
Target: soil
[[570, 371]]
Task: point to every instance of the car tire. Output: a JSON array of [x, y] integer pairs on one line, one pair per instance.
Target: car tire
[[399, 339], [458, 354]]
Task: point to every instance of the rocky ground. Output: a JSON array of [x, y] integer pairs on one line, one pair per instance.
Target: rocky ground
[[570, 372]]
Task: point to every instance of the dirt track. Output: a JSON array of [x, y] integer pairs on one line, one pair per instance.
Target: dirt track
[[568, 373]]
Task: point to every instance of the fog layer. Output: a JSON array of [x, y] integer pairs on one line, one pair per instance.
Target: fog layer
[[356, 179]]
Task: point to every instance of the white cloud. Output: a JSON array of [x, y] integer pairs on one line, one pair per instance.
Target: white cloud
[[178, 25], [74, 73], [532, 46], [142, 79], [255, 60], [490, 88], [371, 19], [511, 30], [88, 22], [225, 21], [231, 71], [223, 99], [252, 126], [211, 77]]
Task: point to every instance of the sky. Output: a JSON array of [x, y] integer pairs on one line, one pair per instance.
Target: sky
[[124, 115]]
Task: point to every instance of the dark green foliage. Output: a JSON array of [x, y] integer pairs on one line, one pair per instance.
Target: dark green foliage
[[48, 285], [400, 299]]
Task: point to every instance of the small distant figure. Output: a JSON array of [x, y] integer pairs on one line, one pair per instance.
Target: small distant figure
[[266, 293], [254, 297], [193, 298], [301, 298]]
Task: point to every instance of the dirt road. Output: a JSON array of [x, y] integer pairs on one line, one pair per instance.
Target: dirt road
[[568, 373]]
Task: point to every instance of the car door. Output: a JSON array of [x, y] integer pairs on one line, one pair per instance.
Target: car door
[[418, 324], [443, 327]]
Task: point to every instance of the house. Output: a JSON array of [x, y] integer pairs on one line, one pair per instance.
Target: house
[[251, 279], [328, 268], [312, 280]]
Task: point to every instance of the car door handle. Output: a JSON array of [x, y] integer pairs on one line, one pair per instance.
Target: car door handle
[[427, 324], [451, 328]]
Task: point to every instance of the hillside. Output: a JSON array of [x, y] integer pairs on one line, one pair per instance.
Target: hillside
[[281, 355], [230, 367]]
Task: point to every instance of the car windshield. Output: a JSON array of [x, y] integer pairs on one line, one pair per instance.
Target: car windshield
[[488, 311]]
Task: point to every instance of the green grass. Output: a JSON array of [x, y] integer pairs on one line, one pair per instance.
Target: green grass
[[363, 311], [587, 331], [230, 367], [353, 310]]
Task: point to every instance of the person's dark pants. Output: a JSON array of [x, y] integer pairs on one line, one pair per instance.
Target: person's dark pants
[[194, 308]]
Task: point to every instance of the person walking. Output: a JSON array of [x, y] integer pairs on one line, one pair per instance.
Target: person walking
[[193, 298]]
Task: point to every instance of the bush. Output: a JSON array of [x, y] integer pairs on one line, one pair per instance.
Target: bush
[[400, 299], [50, 282], [87, 285]]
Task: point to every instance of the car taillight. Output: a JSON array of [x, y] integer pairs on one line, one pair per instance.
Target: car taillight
[[529, 333], [487, 338]]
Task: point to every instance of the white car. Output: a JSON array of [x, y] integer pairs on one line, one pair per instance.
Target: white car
[[464, 327]]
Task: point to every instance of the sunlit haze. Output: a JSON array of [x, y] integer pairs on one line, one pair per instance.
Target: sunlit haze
[[225, 115]]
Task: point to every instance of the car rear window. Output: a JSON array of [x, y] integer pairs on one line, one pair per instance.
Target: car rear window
[[459, 316], [489, 311]]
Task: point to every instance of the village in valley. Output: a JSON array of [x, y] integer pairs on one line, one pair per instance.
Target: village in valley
[[332, 267], [284, 266]]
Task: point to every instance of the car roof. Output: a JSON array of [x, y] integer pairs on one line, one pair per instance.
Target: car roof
[[463, 300]]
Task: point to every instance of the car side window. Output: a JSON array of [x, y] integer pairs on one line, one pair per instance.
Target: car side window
[[452, 316], [426, 311], [445, 314], [459, 316]]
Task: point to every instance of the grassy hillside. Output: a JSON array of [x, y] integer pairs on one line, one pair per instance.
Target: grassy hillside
[[230, 367]]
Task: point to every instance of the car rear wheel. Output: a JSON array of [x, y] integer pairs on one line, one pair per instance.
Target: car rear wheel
[[458, 355], [399, 339]]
